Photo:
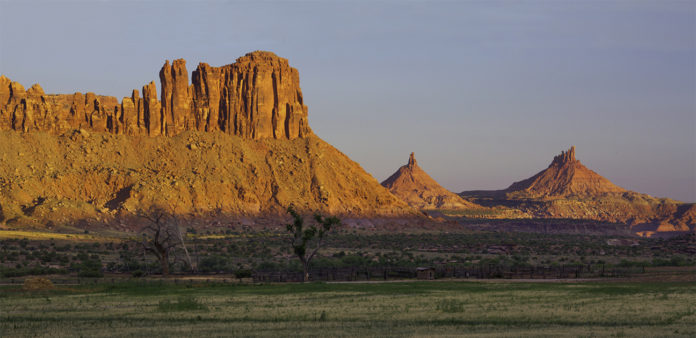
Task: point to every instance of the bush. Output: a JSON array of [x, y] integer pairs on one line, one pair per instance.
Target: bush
[[213, 263], [37, 284], [90, 268], [676, 260], [20, 271], [266, 265], [242, 273]]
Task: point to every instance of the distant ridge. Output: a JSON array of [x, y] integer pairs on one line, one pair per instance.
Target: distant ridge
[[413, 185], [567, 189]]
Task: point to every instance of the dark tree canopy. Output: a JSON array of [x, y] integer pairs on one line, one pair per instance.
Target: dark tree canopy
[[306, 241], [161, 236]]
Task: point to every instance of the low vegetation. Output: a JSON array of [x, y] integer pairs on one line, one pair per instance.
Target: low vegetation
[[243, 252], [387, 309]]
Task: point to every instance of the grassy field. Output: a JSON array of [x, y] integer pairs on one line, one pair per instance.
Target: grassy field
[[37, 235], [386, 309]]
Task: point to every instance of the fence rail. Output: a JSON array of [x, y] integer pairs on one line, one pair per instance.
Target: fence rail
[[451, 271], [366, 274]]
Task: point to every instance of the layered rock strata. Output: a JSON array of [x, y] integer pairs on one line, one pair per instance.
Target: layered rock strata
[[256, 97]]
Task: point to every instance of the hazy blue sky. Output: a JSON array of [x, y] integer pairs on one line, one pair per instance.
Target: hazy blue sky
[[484, 92]]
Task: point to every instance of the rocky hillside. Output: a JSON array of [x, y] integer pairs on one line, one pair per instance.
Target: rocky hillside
[[101, 177], [568, 189], [419, 190], [235, 142], [256, 97]]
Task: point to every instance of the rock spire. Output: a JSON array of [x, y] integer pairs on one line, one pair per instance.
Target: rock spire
[[412, 161], [565, 156], [415, 187]]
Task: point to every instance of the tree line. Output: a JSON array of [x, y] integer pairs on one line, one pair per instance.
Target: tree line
[[161, 237]]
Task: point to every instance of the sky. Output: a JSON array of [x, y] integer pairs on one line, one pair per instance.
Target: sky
[[484, 92]]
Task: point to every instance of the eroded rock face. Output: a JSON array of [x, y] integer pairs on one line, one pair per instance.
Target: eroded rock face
[[152, 116], [33, 110], [256, 97]]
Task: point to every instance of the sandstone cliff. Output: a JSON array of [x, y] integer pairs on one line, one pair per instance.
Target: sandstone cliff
[[419, 190], [33, 110], [256, 97], [238, 144]]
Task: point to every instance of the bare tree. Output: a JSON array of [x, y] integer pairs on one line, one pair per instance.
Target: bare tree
[[307, 242], [161, 236]]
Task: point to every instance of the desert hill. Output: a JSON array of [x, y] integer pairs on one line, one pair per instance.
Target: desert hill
[[102, 177], [234, 142], [413, 185], [568, 189]]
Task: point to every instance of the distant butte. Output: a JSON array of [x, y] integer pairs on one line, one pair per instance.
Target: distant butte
[[564, 176], [568, 189], [419, 190], [256, 97]]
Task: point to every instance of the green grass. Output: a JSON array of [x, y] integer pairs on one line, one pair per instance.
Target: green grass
[[182, 303], [385, 309]]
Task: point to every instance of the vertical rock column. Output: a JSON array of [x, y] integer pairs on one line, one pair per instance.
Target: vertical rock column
[[5, 95], [128, 119], [256, 97], [176, 98], [17, 105], [205, 93], [152, 110]]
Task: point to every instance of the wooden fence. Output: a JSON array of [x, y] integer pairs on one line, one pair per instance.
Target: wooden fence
[[364, 274], [451, 271]]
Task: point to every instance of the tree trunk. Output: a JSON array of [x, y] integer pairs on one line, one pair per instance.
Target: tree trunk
[[183, 245], [164, 261], [305, 277]]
